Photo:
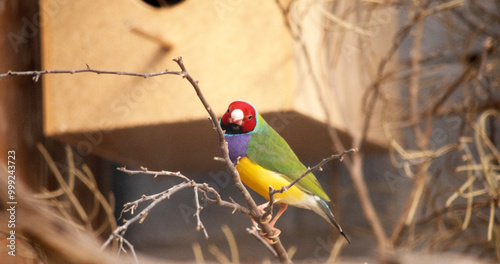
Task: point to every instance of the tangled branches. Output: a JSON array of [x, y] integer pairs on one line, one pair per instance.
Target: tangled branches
[[443, 136], [203, 188], [433, 87]]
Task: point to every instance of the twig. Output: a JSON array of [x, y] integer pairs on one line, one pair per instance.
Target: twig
[[205, 189], [130, 246], [131, 206], [199, 224], [36, 74], [144, 170]]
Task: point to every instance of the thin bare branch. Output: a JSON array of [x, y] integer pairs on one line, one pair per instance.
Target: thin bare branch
[[131, 206], [36, 74], [199, 224], [144, 170]]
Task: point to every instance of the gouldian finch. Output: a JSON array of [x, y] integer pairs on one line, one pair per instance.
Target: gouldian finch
[[263, 159]]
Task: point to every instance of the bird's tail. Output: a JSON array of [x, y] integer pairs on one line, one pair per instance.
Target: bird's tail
[[328, 215]]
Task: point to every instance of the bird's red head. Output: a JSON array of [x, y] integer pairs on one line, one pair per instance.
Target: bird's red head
[[239, 118]]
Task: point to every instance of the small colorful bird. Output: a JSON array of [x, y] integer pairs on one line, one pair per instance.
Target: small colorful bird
[[264, 159]]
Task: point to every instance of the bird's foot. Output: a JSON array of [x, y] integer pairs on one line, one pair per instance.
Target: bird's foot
[[271, 239], [262, 210], [266, 219], [276, 233], [256, 225]]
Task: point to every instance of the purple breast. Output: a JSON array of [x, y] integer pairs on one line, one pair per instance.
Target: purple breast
[[237, 145]]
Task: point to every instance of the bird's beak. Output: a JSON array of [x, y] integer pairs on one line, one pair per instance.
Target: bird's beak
[[236, 117]]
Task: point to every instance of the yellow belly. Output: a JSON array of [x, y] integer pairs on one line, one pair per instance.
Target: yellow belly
[[259, 179]]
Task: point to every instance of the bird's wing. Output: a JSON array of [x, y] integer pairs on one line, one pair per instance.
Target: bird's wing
[[269, 150]]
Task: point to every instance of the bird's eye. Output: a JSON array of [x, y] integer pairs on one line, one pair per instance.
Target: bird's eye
[[227, 111], [250, 117]]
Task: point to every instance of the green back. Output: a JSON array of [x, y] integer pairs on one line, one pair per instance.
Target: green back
[[269, 150]]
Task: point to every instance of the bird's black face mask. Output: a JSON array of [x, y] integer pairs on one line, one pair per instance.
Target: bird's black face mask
[[232, 128]]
